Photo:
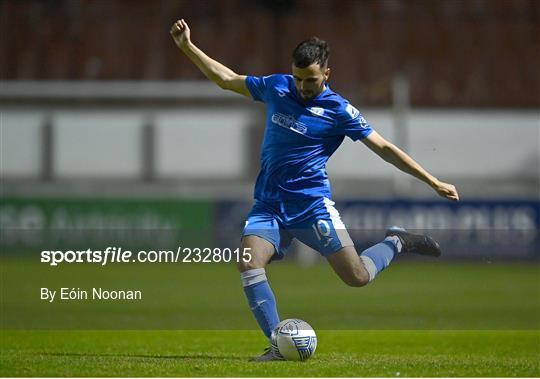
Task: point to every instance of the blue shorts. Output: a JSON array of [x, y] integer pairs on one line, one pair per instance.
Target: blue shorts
[[314, 222]]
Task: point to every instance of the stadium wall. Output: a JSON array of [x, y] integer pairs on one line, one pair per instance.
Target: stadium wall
[[97, 160], [214, 145]]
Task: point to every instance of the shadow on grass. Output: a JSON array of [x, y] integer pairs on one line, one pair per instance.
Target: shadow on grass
[[147, 356]]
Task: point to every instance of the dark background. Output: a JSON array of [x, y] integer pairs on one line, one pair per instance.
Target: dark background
[[478, 53]]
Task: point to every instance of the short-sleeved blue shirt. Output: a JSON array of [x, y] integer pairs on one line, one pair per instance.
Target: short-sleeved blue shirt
[[299, 138]]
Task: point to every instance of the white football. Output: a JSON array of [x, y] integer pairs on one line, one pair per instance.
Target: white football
[[295, 339]]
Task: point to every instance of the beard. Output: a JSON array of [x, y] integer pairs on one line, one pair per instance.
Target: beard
[[311, 94], [308, 95]]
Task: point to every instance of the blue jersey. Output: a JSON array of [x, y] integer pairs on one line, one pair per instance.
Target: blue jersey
[[299, 138]]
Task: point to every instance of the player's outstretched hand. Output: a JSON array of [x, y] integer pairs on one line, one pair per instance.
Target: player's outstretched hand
[[447, 191], [180, 33]]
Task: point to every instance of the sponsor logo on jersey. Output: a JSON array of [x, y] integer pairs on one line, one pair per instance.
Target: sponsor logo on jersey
[[289, 122], [318, 111]]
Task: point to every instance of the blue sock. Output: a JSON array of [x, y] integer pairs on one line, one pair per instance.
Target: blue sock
[[378, 257], [261, 299]]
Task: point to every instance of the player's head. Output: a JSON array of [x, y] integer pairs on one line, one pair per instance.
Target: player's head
[[310, 67]]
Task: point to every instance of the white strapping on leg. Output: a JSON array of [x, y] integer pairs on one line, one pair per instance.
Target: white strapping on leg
[[253, 276], [369, 266]]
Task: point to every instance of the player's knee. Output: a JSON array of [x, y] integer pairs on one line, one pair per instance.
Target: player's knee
[[248, 265], [255, 261], [258, 253], [357, 279], [356, 282]]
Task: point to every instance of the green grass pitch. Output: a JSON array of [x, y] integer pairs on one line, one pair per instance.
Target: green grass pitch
[[225, 353], [417, 319]]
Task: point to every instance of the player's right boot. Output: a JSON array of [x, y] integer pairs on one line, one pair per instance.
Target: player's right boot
[[415, 243], [271, 353]]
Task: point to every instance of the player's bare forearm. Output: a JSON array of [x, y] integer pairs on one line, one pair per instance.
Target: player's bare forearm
[[394, 155], [213, 70], [405, 163], [218, 73]]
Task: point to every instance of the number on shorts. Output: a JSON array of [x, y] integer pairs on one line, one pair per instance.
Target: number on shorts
[[322, 229]]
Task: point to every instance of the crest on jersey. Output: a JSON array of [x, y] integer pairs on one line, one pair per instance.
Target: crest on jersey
[[352, 111], [318, 111]]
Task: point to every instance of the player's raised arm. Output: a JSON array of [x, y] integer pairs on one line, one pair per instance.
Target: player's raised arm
[[213, 70], [392, 154]]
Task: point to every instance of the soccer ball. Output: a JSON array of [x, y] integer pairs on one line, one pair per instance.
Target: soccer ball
[[295, 339]]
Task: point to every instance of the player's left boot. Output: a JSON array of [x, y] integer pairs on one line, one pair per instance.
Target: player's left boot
[[415, 243], [271, 353]]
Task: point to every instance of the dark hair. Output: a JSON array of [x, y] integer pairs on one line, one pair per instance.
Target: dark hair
[[312, 50]]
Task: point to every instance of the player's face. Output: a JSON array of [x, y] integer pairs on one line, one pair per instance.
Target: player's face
[[310, 80]]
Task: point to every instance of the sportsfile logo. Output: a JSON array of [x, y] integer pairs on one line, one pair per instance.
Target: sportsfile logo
[[289, 122]]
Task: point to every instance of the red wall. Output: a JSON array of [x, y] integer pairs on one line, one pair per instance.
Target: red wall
[[456, 53]]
